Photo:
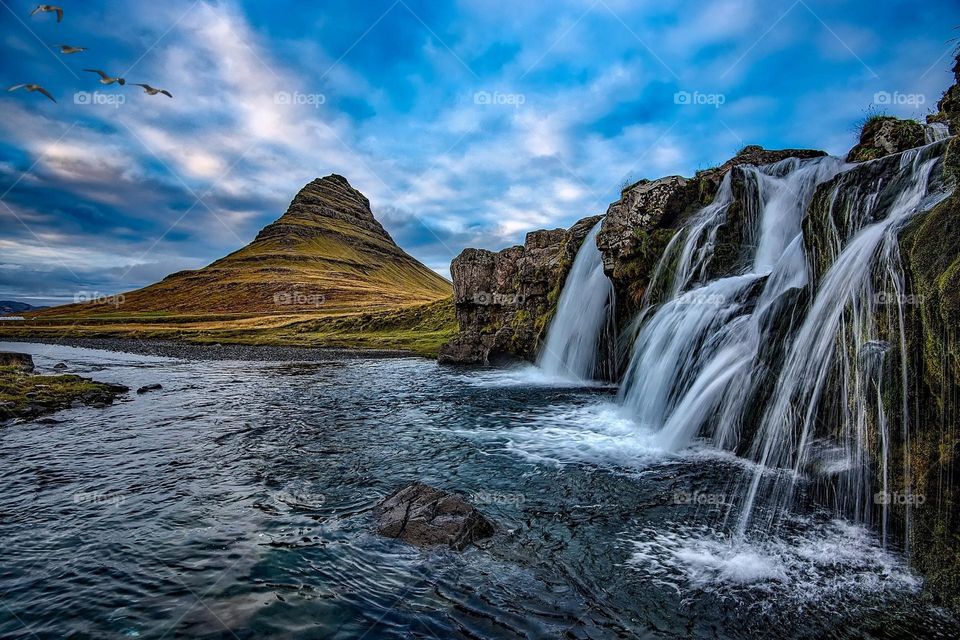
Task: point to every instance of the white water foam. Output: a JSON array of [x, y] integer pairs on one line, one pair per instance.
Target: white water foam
[[819, 562]]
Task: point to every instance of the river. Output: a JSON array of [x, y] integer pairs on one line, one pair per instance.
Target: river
[[236, 503]]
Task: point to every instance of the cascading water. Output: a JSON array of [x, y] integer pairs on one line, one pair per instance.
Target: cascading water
[[733, 353], [584, 312], [834, 367], [692, 353]]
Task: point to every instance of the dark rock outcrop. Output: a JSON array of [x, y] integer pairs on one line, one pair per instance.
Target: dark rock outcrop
[[638, 226], [424, 516], [885, 135], [21, 361], [931, 250], [505, 300], [949, 105], [149, 387]]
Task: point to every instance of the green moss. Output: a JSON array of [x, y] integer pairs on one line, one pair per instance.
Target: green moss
[[932, 249], [23, 394]]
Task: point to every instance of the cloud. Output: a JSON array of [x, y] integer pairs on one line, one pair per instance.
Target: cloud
[[384, 93]]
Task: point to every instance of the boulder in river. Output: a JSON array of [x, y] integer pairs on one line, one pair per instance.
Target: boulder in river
[[422, 515], [150, 387]]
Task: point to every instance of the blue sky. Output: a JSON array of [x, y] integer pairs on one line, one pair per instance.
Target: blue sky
[[466, 123]]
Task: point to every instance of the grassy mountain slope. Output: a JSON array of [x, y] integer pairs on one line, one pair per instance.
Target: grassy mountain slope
[[326, 273]]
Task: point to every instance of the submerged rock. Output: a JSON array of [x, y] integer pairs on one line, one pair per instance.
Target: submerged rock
[[422, 515], [149, 387], [22, 361], [60, 366]]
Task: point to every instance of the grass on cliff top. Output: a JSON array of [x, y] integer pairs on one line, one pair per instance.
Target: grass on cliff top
[[20, 390], [420, 329]]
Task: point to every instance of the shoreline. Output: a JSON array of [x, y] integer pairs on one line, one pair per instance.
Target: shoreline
[[195, 351]]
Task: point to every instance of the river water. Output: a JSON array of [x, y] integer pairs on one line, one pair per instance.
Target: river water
[[236, 503]]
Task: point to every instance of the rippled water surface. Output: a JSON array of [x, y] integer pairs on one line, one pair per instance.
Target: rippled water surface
[[237, 501]]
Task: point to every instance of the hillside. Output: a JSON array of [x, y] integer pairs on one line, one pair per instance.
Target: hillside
[[326, 252]]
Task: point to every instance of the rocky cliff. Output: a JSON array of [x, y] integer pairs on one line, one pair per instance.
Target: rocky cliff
[[505, 300]]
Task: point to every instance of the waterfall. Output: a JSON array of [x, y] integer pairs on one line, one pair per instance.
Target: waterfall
[[935, 132], [797, 362], [585, 309], [690, 367], [834, 366]]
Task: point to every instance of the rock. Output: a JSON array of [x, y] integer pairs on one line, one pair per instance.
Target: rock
[[885, 135], [22, 361], [504, 300], [424, 516], [150, 387], [60, 366], [708, 180], [638, 226]]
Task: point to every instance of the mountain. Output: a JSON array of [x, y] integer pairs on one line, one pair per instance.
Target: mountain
[[327, 252], [11, 306]]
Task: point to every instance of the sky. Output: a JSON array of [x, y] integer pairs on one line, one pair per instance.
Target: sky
[[466, 124]]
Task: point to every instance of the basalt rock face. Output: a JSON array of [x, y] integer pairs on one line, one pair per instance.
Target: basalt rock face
[[505, 300], [638, 226], [930, 247], [327, 250], [885, 135]]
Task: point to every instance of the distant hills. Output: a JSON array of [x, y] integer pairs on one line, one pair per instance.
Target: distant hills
[[12, 306], [327, 252]]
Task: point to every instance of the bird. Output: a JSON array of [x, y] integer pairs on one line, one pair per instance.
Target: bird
[[151, 90], [105, 79], [67, 49], [47, 8], [32, 87]]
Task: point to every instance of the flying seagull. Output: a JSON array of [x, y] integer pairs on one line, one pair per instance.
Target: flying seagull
[[152, 91], [47, 8], [105, 79], [67, 49], [32, 87]]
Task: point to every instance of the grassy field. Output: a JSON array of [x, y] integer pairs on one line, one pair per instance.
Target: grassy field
[[420, 329]]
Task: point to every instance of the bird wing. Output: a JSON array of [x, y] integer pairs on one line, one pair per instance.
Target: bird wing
[[59, 14], [166, 93], [145, 86], [37, 10], [16, 86], [46, 93], [102, 74]]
